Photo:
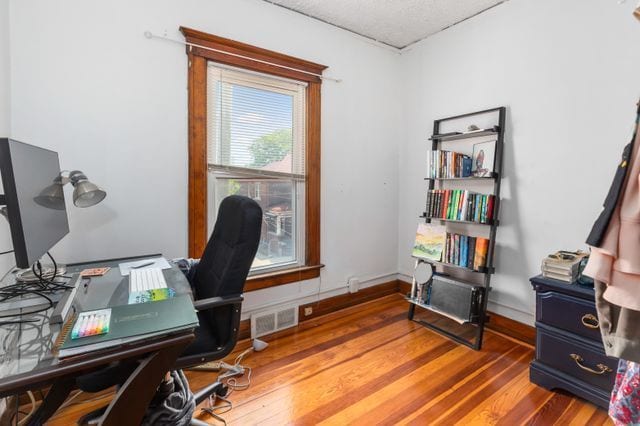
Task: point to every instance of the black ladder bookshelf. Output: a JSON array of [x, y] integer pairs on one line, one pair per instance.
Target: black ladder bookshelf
[[436, 139]]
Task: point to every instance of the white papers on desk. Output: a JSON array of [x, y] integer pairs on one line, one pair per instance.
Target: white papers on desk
[[158, 262]]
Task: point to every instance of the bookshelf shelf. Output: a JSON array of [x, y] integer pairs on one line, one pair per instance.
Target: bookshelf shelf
[[432, 309], [469, 222], [486, 272], [494, 176], [465, 135]]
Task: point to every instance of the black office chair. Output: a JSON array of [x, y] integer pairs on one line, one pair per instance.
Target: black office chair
[[217, 284]]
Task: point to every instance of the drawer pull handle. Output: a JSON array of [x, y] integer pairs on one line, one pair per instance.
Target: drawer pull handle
[[590, 321], [602, 369]]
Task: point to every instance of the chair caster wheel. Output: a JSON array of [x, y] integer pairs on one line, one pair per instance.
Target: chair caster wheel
[[222, 391]]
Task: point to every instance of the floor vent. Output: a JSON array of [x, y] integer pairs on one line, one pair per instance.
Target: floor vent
[[268, 322]]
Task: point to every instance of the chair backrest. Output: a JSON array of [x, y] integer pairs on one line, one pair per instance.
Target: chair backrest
[[227, 258]]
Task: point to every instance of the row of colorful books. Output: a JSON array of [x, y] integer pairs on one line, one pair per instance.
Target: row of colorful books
[[458, 204], [449, 164], [466, 251]]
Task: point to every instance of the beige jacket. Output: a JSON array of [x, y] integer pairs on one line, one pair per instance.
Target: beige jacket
[[617, 261]]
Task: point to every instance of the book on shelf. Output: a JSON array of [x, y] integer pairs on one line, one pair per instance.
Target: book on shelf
[[429, 242], [458, 204], [449, 164], [563, 265], [466, 251], [480, 257], [422, 293]]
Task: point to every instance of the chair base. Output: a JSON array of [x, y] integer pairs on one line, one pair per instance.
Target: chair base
[[93, 417], [218, 388]]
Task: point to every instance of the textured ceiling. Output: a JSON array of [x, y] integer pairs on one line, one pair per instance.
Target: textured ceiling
[[397, 23]]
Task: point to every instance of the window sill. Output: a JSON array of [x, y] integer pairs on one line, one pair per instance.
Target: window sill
[[287, 276]]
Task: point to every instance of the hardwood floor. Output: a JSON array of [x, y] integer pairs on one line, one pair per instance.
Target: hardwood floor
[[370, 365]]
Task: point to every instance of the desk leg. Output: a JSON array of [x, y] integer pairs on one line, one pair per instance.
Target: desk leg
[[132, 399], [55, 397]]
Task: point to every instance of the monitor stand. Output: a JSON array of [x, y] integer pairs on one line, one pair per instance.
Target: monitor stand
[[28, 301], [27, 275]]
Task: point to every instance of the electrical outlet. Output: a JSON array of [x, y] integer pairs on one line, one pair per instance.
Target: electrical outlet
[[308, 311], [354, 285]]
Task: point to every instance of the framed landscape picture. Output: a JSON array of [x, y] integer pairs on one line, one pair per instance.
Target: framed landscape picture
[[484, 154], [429, 242]]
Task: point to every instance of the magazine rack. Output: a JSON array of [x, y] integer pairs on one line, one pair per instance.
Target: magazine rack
[[471, 332]]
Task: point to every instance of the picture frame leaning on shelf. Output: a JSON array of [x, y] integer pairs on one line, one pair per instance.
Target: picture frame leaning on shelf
[[483, 158]]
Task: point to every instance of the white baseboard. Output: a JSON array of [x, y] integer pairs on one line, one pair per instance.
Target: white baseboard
[[301, 293]]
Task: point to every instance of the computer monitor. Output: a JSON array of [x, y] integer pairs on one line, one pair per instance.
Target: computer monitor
[[37, 220]]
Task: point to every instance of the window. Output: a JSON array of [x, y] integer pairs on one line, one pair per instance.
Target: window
[[254, 130], [256, 148]]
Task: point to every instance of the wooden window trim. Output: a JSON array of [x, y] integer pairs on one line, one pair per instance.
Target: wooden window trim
[[197, 101]]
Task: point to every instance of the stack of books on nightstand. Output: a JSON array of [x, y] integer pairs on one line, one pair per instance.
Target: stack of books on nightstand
[[563, 265]]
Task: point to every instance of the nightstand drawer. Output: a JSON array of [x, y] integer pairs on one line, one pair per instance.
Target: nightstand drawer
[[568, 313], [577, 358]]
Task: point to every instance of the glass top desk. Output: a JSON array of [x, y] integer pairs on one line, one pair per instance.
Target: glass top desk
[[26, 359]]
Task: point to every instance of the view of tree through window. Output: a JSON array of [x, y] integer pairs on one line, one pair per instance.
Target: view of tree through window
[[256, 149]]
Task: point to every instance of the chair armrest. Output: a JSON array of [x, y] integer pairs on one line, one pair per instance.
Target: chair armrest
[[215, 302]]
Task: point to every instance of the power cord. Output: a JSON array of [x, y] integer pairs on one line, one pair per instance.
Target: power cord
[[232, 382], [212, 409], [43, 287], [26, 417]]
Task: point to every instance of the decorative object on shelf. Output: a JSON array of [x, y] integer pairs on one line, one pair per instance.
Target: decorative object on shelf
[[460, 302], [430, 241], [483, 158], [463, 301], [563, 265], [422, 275], [569, 350]]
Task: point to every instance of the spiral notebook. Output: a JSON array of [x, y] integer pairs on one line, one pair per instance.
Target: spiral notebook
[[131, 323]]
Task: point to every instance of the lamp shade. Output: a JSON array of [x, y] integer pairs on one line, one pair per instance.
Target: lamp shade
[[52, 197], [85, 193]]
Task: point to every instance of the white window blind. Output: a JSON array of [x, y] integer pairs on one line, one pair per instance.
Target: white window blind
[[256, 137], [256, 124]]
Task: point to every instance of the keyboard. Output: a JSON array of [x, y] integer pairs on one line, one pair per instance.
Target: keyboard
[[146, 279]]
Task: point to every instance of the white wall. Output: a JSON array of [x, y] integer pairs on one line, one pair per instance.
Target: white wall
[[5, 127], [85, 82], [4, 67], [568, 73]]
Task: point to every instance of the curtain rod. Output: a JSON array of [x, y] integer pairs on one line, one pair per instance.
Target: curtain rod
[[150, 35]]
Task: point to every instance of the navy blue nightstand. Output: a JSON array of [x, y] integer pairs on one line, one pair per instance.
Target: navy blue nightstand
[[569, 350]]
